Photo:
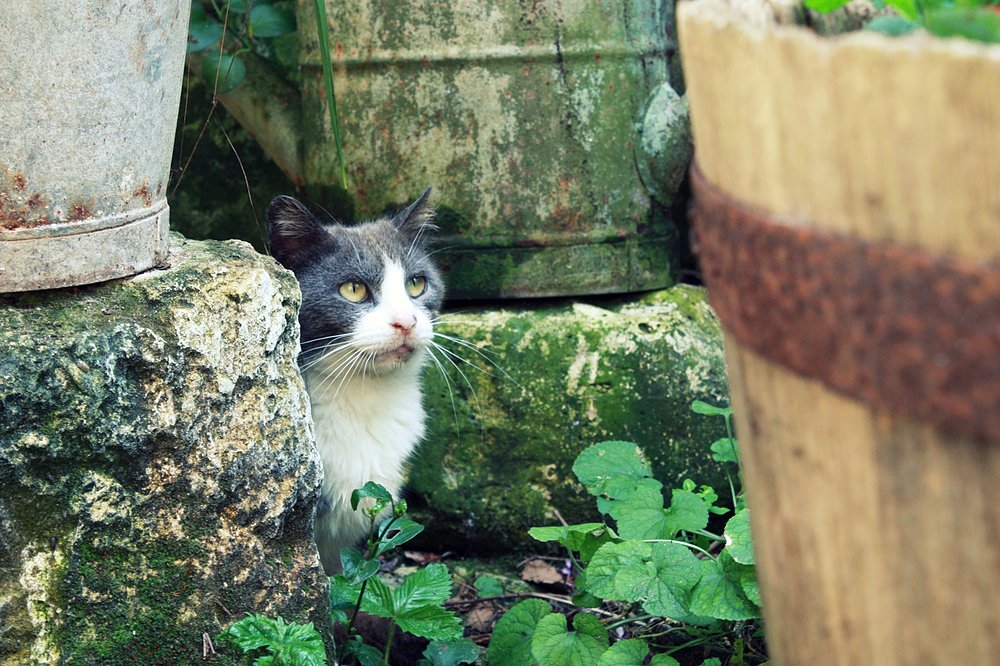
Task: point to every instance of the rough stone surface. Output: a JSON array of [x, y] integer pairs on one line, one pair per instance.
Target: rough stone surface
[[665, 149], [502, 440], [157, 476]]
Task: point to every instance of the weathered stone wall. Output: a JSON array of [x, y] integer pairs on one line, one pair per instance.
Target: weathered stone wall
[[157, 472], [546, 382]]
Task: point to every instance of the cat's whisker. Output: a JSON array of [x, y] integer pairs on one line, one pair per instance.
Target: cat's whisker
[[479, 408], [447, 382], [329, 350], [482, 353], [341, 370]]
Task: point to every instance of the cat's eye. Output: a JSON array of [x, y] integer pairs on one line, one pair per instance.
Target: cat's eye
[[416, 285], [354, 291]]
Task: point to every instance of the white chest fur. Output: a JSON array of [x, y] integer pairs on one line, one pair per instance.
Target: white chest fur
[[365, 429]]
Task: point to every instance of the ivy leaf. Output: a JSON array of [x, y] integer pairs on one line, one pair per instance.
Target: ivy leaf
[[403, 530], [343, 593], [510, 644], [738, 542], [719, 593], [749, 584], [355, 567], [725, 449], [203, 30], [270, 21], [554, 645], [229, 69], [631, 652], [452, 653], [611, 468]]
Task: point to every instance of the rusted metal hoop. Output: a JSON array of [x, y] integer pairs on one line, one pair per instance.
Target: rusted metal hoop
[[896, 327]]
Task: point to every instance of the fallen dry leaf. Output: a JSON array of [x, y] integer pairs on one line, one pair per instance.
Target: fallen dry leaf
[[540, 571], [479, 619]]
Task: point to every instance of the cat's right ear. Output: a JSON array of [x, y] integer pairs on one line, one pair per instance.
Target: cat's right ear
[[295, 235]]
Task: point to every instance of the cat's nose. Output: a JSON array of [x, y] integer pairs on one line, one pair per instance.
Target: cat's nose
[[404, 324]]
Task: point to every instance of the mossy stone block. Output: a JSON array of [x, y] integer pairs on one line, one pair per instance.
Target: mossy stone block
[[157, 472], [534, 386]]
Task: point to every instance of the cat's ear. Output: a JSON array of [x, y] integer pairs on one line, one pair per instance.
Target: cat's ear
[[294, 233], [417, 218]]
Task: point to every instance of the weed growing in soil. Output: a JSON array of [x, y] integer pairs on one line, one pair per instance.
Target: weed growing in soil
[[673, 584]]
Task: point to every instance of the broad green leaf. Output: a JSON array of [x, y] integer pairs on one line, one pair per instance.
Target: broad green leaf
[[747, 576], [288, 643], [714, 661], [660, 575], [738, 542], [488, 586], [582, 597], [378, 599], [433, 622], [373, 490], [452, 653], [979, 24], [510, 644], [631, 652], [554, 645], [343, 593], [824, 6], [725, 449], [270, 21], [700, 406], [583, 539], [430, 585], [203, 30], [240, 6], [365, 654], [894, 26], [228, 69], [663, 660], [402, 530], [611, 468], [719, 593], [642, 516], [618, 571], [675, 574], [355, 567]]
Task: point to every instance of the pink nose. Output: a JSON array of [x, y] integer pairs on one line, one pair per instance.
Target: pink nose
[[404, 324]]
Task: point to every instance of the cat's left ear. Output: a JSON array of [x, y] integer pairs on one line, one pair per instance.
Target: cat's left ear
[[417, 218]]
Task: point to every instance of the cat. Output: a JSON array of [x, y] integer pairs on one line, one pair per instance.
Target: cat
[[370, 294]]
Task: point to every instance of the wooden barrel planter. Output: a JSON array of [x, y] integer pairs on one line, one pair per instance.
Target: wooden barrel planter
[[89, 93], [848, 220]]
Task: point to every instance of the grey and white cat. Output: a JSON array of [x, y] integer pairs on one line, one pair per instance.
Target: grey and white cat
[[369, 296]]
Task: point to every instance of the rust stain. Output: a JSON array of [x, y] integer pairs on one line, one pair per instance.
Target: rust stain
[[19, 181], [78, 212], [896, 327], [143, 193]]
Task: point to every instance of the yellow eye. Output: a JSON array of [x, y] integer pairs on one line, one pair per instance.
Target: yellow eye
[[353, 291], [416, 285]]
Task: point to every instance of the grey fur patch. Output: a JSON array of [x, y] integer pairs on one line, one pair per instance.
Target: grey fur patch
[[325, 256]]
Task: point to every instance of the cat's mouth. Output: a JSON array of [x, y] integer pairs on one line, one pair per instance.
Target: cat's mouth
[[399, 355]]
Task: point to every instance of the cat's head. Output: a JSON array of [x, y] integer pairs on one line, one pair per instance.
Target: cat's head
[[369, 292]]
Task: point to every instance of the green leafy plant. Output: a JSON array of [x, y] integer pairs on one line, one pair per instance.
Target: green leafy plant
[[265, 28], [977, 20], [680, 585], [286, 644], [416, 606]]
